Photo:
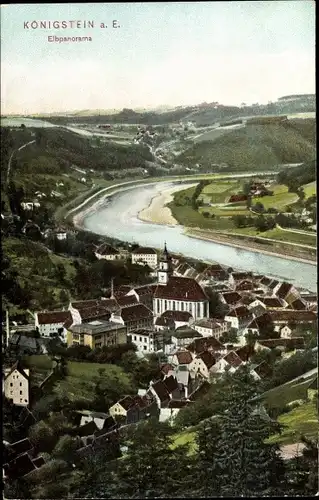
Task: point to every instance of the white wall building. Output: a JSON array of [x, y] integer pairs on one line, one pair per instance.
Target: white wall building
[[145, 255], [16, 385], [144, 340], [51, 322], [211, 327]]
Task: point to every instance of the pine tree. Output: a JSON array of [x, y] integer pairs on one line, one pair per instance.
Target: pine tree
[[243, 464]]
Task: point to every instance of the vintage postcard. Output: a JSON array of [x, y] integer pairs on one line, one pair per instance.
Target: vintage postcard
[[159, 250]]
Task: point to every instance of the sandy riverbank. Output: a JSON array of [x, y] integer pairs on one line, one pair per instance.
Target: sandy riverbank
[[157, 212]]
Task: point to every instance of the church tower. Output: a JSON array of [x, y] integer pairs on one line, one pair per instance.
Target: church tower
[[165, 269]]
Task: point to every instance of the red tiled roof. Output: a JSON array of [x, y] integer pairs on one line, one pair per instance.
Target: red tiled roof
[[49, 318], [263, 370], [240, 276], [136, 312], [144, 251], [170, 384], [126, 300], [145, 290], [168, 322], [245, 352], [199, 345], [245, 285], [272, 301], [207, 358], [293, 342], [179, 288], [299, 305], [126, 402], [283, 290], [210, 323], [293, 316], [231, 297], [184, 357], [239, 312], [233, 359], [106, 249], [177, 315], [161, 391]]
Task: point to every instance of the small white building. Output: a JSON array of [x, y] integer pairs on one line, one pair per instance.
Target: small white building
[[51, 322], [239, 317], [143, 339], [211, 327], [145, 256], [107, 252], [91, 416], [17, 385]]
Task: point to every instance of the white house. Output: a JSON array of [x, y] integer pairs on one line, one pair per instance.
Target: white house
[[173, 408], [91, 416], [17, 385], [51, 322], [175, 293], [107, 252], [145, 255], [202, 364], [211, 327], [286, 332], [143, 339], [239, 317]]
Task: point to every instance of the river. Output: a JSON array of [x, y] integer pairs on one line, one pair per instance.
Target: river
[[117, 217]]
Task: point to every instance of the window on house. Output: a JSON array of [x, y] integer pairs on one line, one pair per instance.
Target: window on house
[[145, 347], [140, 339], [182, 306], [20, 393], [145, 339], [134, 337], [11, 384], [20, 384], [25, 400]]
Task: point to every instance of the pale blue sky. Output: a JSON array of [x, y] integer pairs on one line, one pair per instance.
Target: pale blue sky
[[172, 53]]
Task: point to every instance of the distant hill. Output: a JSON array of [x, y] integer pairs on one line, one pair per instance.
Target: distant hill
[[256, 146]]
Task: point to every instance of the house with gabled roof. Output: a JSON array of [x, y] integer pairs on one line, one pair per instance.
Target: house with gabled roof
[[17, 384], [202, 364], [107, 252], [230, 298], [231, 361], [211, 327], [144, 294], [134, 317], [180, 357], [273, 302], [50, 322], [239, 317], [169, 413], [286, 291], [262, 371], [160, 392], [183, 336], [206, 344]]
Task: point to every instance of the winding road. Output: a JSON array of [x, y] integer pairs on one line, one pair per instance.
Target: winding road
[[11, 156]]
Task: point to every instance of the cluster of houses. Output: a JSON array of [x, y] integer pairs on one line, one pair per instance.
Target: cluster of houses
[[172, 318], [177, 306]]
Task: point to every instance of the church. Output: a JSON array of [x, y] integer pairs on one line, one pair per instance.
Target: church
[[174, 293]]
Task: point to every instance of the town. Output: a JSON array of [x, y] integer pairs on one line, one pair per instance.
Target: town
[[188, 327]]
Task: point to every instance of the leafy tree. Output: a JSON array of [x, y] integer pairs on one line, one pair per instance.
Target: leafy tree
[[239, 220], [259, 207], [66, 447], [42, 436]]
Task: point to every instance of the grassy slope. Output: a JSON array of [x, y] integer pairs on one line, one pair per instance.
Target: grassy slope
[[253, 147], [301, 421], [34, 263]]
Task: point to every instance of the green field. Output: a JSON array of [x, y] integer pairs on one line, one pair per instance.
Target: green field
[[280, 199], [218, 192], [301, 421], [310, 189], [278, 234]]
